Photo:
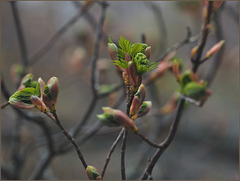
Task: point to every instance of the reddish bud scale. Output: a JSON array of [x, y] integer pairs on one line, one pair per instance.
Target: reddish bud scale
[[113, 51], [214, 49], [136, 103], [37, 102], [127, 57], [53, 87], [125, 121], [148, 52]]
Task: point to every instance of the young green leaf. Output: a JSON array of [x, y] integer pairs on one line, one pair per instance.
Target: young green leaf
[[125, 45]]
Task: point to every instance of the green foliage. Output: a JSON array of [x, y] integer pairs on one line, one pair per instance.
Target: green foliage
[[24, 95], [194, 90], [137, 53]]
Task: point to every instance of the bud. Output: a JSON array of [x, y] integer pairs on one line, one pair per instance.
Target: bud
[[51, 93], [195, 90], [135, 106], [141, 93], [148, 52], [113, 51], [93, 173], [176, 69], [133, 74], [41, 84], [194, 51], [114, 118], [127, 57], [21, 98], [186, 77], [144, 109], [214, 49], [26, 80], [37, 102]]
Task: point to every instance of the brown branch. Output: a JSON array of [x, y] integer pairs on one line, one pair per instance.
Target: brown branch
[[4, 105], [111, 150], [70, 138], [204, 34], [166, 142], [123, 148], [20, 35], [174, 126], [54, 38]]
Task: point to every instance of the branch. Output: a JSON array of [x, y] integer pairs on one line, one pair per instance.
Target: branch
[[21, 40], [189, 39], [174, 126], [124, 142], [70, 138], [204, 34], [110, 152], [166, 142], [54, 38]]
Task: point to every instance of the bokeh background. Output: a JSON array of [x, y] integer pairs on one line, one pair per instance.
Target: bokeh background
[[206, 144]]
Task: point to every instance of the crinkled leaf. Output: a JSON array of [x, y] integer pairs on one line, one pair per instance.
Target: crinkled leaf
[[136, 48], [23, 95]]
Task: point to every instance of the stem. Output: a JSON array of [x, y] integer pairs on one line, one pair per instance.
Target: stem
[[4, 105], [71, 139], [54, 38], [204, 33], [174, 126], [110, 152], [166, 142], [148, 141], [124, 142]]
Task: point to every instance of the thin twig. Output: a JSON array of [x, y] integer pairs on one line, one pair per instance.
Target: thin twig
[[157, 12], [174, 126], [111, 150], [204, 34], [4, 105], [71, 139], [54, 38], [219, 57], [124, 142], [166, 142], [20, 35], [155, 145]]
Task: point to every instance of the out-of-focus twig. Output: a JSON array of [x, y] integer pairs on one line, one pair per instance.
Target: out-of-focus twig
[[54, 38], [161, 25], [172, 132], [20, 35]]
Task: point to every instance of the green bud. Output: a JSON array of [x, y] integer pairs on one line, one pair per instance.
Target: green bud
[[195, 90], [145, 108], [186, 78], [92, 173], [51, 93], [113, 51], [115, 118], [141, 59]]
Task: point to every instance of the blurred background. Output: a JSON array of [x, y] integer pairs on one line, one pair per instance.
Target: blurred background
[[206, 144]]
